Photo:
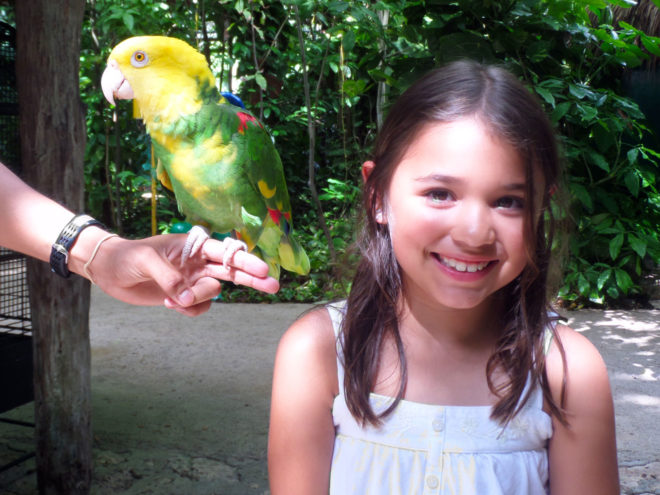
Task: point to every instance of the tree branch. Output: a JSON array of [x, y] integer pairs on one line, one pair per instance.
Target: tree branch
[[311, 130]]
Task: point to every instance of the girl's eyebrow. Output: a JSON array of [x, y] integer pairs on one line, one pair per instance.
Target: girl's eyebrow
[[450, 179]]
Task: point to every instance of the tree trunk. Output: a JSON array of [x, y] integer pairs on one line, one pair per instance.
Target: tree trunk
[[52, 130], [311, 131], [381, 95]]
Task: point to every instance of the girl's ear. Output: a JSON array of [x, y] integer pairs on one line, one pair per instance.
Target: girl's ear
[[367, 167]]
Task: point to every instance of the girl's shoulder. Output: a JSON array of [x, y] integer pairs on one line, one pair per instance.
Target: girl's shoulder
[[579, 375], [308, 347], [313, 330]]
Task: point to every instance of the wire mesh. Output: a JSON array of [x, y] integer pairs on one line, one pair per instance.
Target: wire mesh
[[15, 317], [9, 138], [15, 332]]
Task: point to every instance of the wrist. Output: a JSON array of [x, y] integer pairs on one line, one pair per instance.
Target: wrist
[[84, 248], [59, 255]]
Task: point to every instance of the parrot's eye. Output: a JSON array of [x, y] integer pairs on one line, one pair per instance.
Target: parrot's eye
[[139, 59]]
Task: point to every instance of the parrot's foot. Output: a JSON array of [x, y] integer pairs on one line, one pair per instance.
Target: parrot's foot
[[197, 235], [232, 246]]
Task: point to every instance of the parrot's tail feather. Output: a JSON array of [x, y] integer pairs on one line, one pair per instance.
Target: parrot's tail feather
[[271, 261], [278, 248], [292, 256]]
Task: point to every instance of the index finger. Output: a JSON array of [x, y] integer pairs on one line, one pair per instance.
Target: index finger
[[264, 284], [213, 250]]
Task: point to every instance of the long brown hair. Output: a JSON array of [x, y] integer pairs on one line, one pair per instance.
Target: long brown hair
[[512, 113]]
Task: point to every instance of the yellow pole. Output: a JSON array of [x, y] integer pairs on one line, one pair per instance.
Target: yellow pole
[[154, 226]]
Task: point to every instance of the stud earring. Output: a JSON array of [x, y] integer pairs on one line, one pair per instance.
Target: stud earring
[[379, 215]]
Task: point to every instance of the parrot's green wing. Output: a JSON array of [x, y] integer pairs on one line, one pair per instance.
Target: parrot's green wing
[[227, 174], [265, 171]]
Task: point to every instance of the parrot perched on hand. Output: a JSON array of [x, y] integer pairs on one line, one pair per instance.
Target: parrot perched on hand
[[217, 158]]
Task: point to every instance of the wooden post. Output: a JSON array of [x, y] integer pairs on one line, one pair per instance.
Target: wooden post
[[52, 130]]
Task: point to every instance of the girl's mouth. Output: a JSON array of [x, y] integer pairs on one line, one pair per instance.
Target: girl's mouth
[[462, 266]]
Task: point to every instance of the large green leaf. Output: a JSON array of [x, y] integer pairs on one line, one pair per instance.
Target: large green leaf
[[615, 246], [638, 245]]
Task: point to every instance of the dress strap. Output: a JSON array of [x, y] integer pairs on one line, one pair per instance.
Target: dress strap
[[336, 310], [536, 394], [536, 397], [548, 336]]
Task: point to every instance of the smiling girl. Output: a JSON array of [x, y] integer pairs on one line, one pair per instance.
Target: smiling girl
[[445, 371]]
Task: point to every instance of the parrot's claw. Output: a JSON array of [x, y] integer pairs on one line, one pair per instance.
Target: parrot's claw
[[197, 235], [232, 246]]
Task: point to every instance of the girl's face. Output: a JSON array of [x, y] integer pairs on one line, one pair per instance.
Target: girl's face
[[455, 210]]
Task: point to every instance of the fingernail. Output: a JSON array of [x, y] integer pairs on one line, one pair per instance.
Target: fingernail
[[170, 303], [186, 298]]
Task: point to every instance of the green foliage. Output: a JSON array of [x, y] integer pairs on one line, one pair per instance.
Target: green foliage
[[360, 56], [572, 56]]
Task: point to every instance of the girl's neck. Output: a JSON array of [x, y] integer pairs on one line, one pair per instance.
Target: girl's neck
[[446, 350], [475, 328]]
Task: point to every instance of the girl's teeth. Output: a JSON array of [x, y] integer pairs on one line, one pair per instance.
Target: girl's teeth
[[460, 266]]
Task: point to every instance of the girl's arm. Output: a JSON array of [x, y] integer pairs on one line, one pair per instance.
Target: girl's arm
[[301, 435], [582, 454]]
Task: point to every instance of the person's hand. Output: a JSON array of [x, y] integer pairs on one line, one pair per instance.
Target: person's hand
[[148, 272]]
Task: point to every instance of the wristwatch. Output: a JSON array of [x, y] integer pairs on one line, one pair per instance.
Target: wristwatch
[[59, 254]]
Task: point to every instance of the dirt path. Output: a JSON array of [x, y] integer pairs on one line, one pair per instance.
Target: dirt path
[[180, 405]]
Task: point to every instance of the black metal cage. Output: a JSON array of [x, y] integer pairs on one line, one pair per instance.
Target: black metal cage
[[9, 138], [15, 332], [14, 298], [15, 318]]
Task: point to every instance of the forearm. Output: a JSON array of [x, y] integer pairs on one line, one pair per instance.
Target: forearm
[[29, 222]]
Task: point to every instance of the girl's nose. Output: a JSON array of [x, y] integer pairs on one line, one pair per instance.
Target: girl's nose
[[473, 226]]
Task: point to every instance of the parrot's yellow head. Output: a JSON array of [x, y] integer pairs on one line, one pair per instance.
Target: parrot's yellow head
[[166, 76]]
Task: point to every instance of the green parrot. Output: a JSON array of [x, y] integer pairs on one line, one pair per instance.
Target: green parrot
[[217, 157]]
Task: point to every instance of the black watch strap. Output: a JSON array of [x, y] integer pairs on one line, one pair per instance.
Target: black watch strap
[[59, 254]]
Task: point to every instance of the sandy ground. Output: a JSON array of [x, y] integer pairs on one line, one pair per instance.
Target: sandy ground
[[180, 405]]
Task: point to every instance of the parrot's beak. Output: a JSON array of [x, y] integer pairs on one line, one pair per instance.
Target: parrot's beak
[[114, 84]]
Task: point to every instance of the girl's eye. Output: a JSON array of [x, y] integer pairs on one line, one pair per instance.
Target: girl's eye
[[439, 196], [510, 203]]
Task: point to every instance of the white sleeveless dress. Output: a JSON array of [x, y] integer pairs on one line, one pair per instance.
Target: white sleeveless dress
[[426, 449]]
